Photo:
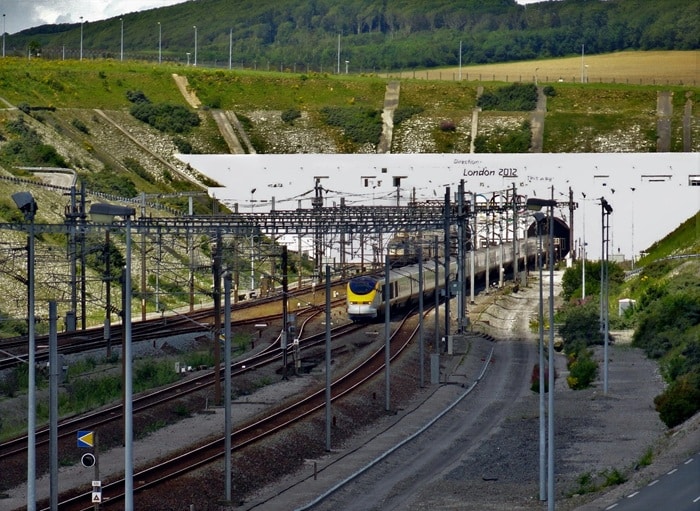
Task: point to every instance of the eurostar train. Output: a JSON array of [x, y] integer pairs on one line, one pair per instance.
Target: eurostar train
[[365, 294]]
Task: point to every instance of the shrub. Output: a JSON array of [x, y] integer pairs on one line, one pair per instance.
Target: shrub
[[136, 96], [28, 148], [646, 458], [680, 400], [290, 115], [535, 379], [80, 126], [165, 117], [447, 125], [613, 477], [549, 91], [511, 98], [109, 182], [138, 169], [182, 145], [667, 322], [580, 325], [582, 370], [361, 125]]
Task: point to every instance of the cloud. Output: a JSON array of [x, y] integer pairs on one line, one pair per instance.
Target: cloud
[[23, 14]]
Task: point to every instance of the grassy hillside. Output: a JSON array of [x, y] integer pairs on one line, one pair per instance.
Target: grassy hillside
[[591, 117], [665, 317]]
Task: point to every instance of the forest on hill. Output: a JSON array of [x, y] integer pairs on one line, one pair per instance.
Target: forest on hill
[[372, 35]]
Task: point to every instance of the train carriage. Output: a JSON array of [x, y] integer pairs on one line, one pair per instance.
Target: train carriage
[[366, 293]]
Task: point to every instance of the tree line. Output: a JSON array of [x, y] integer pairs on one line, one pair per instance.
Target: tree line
[[377, 34]]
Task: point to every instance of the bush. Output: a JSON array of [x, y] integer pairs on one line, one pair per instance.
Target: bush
[[109, 182], [511, 98], [580, 325], [28, 148], [290, 115], [165, 117], [680, 400], [136, 96], [613, 477], [549, 91], [447, 125], [572, 279], [182, 145], [582, 370], [535, 379], [138, 169], [80, 126], [361, 125], [667, 322]]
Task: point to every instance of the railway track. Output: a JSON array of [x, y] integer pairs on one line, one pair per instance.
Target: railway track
[[14, 350], [143, 402], [252, 432]]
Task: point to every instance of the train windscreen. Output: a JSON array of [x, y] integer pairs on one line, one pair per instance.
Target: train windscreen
[[362, 285]]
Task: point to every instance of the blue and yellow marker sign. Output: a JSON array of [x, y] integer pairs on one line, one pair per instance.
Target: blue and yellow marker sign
[[86, 439]]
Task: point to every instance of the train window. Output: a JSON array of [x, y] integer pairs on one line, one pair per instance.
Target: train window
[[362, 285]]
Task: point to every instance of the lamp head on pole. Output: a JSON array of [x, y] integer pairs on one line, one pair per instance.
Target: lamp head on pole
[[26, 204], [536, 204], [102, 213]]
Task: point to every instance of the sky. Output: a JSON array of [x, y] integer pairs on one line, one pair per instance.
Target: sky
[[21, 14]]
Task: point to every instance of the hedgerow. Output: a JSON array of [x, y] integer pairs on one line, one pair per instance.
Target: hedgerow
[[516, 97]]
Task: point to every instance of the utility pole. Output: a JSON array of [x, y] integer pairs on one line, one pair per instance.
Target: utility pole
[[285, 319], [447, 266], [515, 235], [216, 270], [572, 207]]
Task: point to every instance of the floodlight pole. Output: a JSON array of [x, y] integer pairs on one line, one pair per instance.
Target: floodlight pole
[[543, 450], [605, 210], [421, 340], [31, 393], [447, 267], [387, 332], [27, 205], [328, 358], [195, 44], [227, 384], [53, 406], [537, 204], [550, 352], [128, 381]]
